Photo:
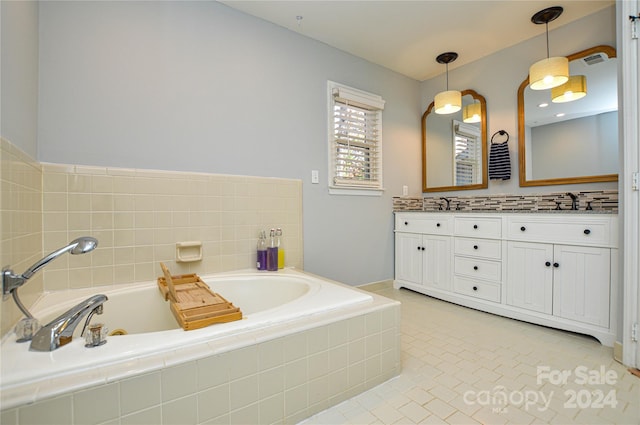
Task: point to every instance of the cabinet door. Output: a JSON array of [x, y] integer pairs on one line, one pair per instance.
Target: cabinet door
[[530, 276], [581, 284], [437, 262], [409, 257]]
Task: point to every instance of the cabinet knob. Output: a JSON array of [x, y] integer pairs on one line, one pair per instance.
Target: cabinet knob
[[406, 223], [475, 247], [475, 288], [475, 267], [423, 248], [587, 231], [437, 224], [418, 248], [523, 228], [556, 265], [548, 264], [475, 226]]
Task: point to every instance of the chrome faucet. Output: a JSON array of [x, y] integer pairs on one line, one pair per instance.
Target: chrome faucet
[[11, 281], [574, 205], [448, 201], [60, 331]]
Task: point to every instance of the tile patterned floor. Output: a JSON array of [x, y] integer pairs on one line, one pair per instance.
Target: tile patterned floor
[[461, 366]]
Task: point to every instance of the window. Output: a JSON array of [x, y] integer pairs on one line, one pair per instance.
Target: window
[[355, 141], [466, 154]]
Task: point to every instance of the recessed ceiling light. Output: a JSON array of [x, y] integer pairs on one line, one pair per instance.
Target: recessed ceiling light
[[561, 114], [543, 105]]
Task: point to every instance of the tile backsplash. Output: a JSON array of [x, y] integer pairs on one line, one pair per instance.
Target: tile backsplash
[[21, 223], [138, 216], [597, 200]]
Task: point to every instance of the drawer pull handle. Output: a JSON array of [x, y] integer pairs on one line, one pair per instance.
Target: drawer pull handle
[[523, 228], [587, 231], [475, 226], [437, 224], [556, 265], [475, 267], [548, 264], [475, 247], [475, 288]]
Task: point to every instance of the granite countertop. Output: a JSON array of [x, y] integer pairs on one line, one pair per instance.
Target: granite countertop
[[607, 212]]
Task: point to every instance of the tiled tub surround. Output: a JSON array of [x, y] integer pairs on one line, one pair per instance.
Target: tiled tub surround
[[601, 201], [279, 374], [21, 223], [138, 216]]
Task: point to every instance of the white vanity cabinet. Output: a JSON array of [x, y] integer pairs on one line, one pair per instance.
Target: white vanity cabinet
[[558, 270], [423, 250]]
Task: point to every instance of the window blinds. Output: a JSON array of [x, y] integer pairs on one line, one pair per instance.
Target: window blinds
[[466, 154], [356, 140]]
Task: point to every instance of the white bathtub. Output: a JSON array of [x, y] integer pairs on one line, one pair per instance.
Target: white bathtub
[[154, 340]]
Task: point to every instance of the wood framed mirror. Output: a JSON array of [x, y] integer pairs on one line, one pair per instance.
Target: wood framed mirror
[[454, 152], [580, 146]]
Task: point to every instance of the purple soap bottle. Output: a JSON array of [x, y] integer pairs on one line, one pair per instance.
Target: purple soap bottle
[[261, 263]]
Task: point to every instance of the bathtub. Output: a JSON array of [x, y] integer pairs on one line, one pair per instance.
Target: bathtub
[[154, 340]]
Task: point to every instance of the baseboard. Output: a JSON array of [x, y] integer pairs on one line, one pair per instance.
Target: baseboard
[[617, 351], [377, 286]]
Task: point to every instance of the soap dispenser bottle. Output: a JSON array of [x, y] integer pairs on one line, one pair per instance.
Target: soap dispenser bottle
[[280, 248], [272, 252], [261, 263]]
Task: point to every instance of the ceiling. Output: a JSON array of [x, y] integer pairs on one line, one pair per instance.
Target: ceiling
[[406, 36]]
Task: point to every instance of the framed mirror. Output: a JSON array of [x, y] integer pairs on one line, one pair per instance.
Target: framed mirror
[[454, 152], [571, 142]]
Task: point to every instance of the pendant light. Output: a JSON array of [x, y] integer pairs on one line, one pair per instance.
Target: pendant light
[[449, 101], [574, 89], [551, 71], [472, 113]]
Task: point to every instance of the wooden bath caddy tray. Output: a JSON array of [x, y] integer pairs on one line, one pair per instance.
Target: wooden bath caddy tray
[[193, 304]]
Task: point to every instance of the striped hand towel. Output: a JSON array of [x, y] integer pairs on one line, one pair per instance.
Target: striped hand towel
[[499, 161]]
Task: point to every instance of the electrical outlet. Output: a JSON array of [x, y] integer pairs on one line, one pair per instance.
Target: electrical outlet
[[634, 181], [405, 190], [315, 179]]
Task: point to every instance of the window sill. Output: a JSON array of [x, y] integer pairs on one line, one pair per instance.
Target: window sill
[[355, 191]]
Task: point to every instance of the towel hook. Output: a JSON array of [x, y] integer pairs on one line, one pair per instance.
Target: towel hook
[[502, 133]]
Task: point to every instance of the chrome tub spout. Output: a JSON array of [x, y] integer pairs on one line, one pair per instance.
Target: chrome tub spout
[[60, 331]]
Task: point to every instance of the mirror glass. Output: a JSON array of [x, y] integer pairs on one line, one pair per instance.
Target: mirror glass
[[454, 153], [571, 142]]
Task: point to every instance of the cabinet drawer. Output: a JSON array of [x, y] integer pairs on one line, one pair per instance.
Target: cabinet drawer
[[424, 223], [569, 230], [484, 290], [484, 248], [478, 268], [480, 227]]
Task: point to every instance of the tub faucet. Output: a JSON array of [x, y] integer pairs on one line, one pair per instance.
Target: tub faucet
[[448, 201], [60, 331], [574, 205], [11, 281]]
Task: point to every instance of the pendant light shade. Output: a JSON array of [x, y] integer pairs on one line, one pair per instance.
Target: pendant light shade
[[551, 71], [548, 73], [472, 113], [574, 89], [449, 101]]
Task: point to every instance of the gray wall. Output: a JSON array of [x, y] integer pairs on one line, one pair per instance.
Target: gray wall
[[199, 86], [591, 142], [498, 76], [19, 93]]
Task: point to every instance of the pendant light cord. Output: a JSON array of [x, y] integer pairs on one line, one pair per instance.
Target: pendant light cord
[[547, 26], [447, 64]]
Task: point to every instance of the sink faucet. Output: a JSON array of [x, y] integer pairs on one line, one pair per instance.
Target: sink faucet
[[448, 201], [574, 205], [11, 281], [60, 331]]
